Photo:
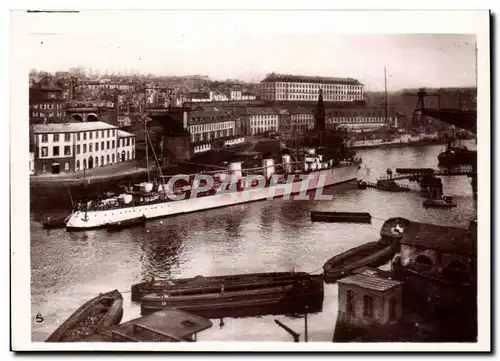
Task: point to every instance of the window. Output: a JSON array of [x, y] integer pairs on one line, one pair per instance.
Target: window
[[85, 136], [85, 164], [96, 161], [107, 144], [102, 134], [102, 160], [77, 136], [56, 138], [102, 145], [113, 144], [128, 141], [97, 146], [113, 133], [107, 159], [45, 151], [350, 302], [77, 165], [67, 150], [45, 138], [44, 167], [85, 148], [90, 147], [90, 135], [108, 133], [55, 151], [66, 166], [113, 158], [97, 135], [367, 306]]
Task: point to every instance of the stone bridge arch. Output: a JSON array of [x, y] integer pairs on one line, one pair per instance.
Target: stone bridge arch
[[78, 117], [92, 117]]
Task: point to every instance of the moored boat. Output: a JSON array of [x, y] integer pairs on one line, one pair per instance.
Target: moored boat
[[200, 284], [371, 254], [117, 226], [57, 222], [103, 311], [215, 301]]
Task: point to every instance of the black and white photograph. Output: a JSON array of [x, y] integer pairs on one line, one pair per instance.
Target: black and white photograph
[[250, 179]]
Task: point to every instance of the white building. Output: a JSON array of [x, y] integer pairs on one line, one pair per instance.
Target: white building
[[261, 119], [70, 147], [126, 146], [278, 87], [208, 125], [359, 119]]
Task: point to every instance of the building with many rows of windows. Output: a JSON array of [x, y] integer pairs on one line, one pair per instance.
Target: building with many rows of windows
[[297, 88], [73, 147]]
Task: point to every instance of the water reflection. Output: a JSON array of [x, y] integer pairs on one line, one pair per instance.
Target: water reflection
[[69, 268]]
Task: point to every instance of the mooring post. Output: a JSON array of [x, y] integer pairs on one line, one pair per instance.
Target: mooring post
[[305, 324], [294, 334]]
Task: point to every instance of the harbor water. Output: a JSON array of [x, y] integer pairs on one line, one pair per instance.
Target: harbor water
[[67, 269]]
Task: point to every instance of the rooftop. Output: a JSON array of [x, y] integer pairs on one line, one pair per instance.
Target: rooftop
[[369, 281], [309, 79], [124, 134], [446, 239], [261, 110], [70, 127]]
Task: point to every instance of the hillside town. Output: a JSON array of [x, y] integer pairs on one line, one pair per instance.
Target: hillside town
[[67, 107]]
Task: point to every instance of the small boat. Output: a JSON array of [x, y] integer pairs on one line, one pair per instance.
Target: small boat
[[215, 301], [371, 254], [362, 184], [446, 202], [103, 311], [117, 226], [53, 223], [353, 217], [200, 284], [391, 186]]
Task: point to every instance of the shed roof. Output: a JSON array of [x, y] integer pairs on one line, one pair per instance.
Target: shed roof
[[370, 282], [70, 127], [443, 238]]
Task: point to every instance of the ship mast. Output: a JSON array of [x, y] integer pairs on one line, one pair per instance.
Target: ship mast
[[146, 131], [385, 95]]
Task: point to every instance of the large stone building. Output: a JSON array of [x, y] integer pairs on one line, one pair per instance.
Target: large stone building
[[357, 119], [298, 88], [46, 105], [73, 147]]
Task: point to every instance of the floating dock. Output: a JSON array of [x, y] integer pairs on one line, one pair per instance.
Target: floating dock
[[167, 325], [345, 217]]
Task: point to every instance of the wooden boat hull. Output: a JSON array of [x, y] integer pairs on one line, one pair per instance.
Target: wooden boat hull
[[118, 226], [371, 254], [243, 300], [355, 217], [201, 284], [297, 298], [76, 326]]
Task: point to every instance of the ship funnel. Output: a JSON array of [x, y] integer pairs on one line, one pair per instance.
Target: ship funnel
[[268, 167], [287, 165], [235, 171]]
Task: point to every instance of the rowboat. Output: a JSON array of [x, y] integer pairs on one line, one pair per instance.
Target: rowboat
[[103, 311], [371, 254], [53, 223], [200, 284], [117, 226]]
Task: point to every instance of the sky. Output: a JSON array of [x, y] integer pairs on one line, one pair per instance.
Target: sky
[[247, 45]]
